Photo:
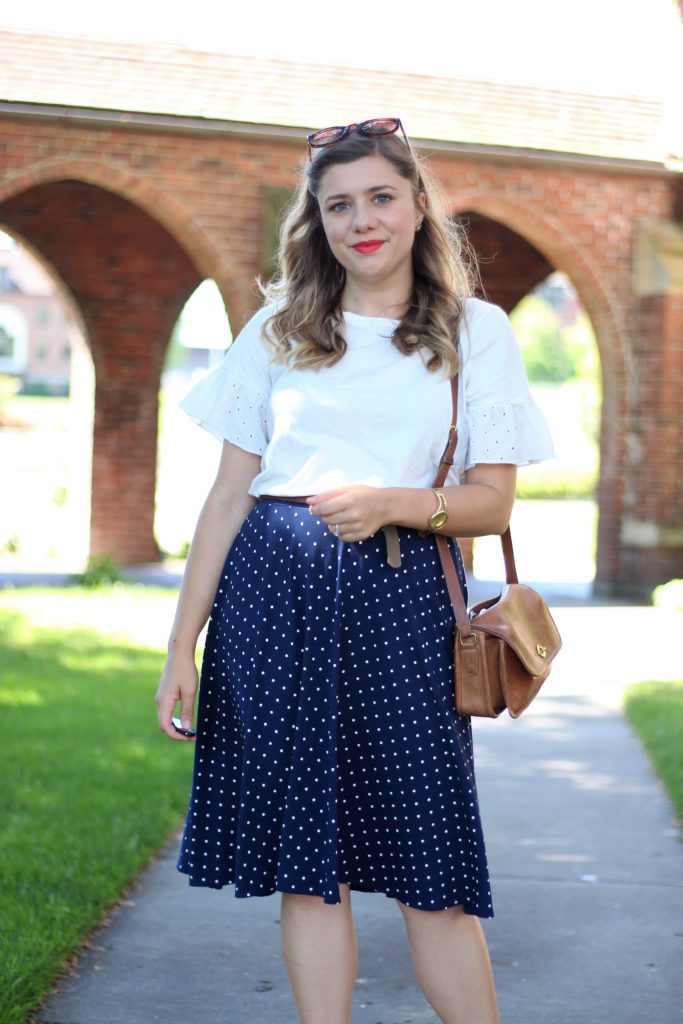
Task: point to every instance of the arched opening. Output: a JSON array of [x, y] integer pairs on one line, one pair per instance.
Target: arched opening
[[556, 500], [129, 277], [187, 457], [46, 414]]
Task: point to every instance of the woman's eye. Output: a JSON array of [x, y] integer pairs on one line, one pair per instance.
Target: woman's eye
[[338, 207], [382, 198]]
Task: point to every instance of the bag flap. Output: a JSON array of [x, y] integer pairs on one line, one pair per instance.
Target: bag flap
[[522, 619]]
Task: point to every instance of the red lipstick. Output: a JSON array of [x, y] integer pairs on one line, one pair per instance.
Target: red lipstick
[[367, 247]]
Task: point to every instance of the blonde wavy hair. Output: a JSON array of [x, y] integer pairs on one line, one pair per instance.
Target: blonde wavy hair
[[307, 328]]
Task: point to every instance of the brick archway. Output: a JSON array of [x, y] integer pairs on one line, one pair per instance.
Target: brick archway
[[563, 252], [554, 249], [158, 204], [129, 278], [203, 189]]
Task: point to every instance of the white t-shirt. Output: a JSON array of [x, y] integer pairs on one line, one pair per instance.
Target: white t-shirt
[[377, 417]]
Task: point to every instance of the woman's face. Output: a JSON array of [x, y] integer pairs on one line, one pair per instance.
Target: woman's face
[[369, 217]]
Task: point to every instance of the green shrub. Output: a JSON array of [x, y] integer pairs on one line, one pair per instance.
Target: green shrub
[[11, 544], [553, 352], [45, 389], [102, 571], [669, 595], [549, 484]]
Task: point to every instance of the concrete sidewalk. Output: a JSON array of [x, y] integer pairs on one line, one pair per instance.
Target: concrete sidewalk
[[586, 862]]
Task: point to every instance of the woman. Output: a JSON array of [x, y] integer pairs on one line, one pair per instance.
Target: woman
[[329, 754]]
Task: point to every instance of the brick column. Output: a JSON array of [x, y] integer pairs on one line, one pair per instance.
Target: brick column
[[652, 524], [125, 449]]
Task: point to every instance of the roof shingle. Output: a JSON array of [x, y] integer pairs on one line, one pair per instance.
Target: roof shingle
[[75, 71]]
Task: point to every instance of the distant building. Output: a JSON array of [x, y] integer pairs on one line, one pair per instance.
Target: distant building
[[36, 329], [558, 292]]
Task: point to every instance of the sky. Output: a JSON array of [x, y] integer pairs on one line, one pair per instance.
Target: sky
[[616, 47]]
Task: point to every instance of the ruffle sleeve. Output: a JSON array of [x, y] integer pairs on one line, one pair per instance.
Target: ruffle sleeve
[[231, 402], [503, 423], [508, 432]]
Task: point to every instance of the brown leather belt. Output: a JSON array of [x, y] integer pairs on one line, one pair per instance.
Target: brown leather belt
[[391, 540]]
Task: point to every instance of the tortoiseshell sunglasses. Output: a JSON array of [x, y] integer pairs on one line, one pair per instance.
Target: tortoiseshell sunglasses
[[372, 128]]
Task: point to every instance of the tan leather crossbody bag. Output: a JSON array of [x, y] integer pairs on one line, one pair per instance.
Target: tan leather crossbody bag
[[505, 646]]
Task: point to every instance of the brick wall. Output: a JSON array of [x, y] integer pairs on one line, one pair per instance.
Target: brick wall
[[132, 221]]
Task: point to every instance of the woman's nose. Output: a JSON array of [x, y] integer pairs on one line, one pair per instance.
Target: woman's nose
[[364, 218]]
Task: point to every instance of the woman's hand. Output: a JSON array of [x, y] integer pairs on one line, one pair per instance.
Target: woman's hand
[[480, 506], [358, 511], [179, 682]]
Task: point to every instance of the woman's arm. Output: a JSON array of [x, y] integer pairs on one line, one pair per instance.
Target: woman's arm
[[480, 506], [225, 509]]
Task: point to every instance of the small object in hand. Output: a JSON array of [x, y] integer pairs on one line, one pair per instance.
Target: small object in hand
[[179, 727]]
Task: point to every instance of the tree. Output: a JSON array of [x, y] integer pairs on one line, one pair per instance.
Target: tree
[[552, 352]]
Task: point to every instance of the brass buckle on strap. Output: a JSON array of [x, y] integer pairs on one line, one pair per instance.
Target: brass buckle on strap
[[470, 637]]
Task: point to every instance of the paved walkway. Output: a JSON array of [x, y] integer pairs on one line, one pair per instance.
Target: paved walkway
[[587, 871]]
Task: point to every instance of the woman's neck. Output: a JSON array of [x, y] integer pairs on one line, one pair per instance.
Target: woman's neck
[[378, 304]]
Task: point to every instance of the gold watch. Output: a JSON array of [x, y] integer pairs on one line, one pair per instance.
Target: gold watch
[[440, 517]]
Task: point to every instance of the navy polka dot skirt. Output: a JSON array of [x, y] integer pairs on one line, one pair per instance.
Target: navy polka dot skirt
[[328, 746]]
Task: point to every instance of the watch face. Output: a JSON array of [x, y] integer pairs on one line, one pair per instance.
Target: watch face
[[438, 520]]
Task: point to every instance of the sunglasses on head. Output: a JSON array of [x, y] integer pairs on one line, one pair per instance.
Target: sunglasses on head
[[372, 129]]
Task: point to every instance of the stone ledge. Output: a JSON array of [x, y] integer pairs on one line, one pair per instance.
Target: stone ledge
[[640, 533]]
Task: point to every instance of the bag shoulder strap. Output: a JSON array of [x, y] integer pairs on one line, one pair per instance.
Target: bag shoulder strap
[[450, 574]]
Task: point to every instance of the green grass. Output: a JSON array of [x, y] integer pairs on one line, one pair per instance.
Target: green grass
[[655, 710], [46, 413], [552, 484], [90, 787]]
